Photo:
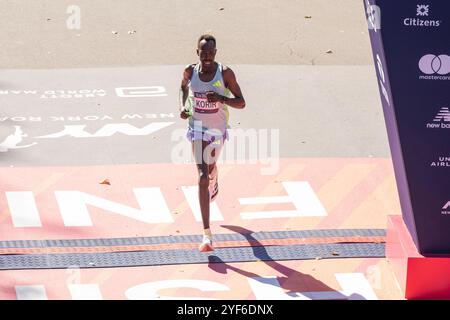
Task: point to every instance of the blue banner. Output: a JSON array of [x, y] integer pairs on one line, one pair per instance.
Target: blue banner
[[411, 50]]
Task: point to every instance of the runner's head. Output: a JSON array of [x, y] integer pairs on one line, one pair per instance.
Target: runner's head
[[206, 50]]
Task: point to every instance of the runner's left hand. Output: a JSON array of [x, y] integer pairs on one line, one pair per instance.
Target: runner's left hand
[[213, 97]]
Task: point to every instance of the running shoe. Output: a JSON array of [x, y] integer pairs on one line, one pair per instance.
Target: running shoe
[[206, 245]]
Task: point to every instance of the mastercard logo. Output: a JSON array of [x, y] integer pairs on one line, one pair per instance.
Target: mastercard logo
[[432, 64]]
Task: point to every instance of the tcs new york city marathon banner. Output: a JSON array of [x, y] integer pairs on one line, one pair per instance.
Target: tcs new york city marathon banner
[[412, 59]]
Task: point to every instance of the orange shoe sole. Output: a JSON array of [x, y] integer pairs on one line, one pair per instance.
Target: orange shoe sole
[[206, 248]]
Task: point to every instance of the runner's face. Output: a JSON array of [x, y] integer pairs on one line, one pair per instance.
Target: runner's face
[[207, 52]]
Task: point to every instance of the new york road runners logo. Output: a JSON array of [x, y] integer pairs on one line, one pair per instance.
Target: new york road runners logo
[[15, 139]]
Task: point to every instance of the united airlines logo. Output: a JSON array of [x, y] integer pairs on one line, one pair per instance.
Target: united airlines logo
[[421, 18], [441, 162], [441, 120]]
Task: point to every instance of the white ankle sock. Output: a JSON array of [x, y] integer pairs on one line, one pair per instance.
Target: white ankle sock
[[207, 233]]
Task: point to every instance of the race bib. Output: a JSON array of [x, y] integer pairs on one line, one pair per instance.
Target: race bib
[[201, 104]]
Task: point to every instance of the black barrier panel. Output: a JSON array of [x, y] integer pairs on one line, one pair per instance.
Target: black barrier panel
[[411, 50]]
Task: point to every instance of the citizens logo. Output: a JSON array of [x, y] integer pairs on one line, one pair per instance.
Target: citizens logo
[[422, 12], [435, 67], [446, 208], [441, 162], [441, 120]]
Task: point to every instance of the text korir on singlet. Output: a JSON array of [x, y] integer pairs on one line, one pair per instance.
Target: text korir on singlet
[[202, 105]]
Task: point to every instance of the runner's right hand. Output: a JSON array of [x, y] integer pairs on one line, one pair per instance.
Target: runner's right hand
[[184, 114]]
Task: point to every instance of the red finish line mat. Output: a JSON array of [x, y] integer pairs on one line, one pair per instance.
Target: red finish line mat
[[44, 247], [152, 200], [267, 246]]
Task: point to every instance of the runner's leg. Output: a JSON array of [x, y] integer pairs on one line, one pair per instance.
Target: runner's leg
[[205, 158], [213, 170], [198, 148]]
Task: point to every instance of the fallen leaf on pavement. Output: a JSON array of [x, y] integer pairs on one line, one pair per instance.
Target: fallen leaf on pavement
[[106, 181]]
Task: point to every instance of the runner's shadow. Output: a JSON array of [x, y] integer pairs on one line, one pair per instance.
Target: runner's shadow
[[291, 281]]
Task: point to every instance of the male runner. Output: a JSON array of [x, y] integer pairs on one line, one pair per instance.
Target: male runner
[[206, 86]]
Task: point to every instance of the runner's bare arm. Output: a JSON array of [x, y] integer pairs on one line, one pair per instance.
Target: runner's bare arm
[[231, 83], [184, 90]]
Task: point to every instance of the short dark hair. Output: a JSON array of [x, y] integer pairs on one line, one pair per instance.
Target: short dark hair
[[206, 37]]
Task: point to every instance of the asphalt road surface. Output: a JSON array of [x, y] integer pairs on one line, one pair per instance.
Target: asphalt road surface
[[305, 85]]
